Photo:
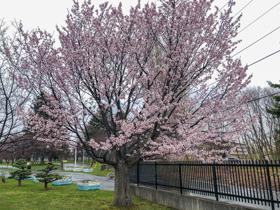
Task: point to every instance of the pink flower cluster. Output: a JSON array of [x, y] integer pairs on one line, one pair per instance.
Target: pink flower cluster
[[160, 80]]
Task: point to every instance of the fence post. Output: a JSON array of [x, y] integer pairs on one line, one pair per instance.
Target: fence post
[[180, 177], [138, 178], [156, 174], [215, 180], [269, 185]]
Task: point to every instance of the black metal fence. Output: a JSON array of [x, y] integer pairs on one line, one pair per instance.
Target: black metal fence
[[255, 182]]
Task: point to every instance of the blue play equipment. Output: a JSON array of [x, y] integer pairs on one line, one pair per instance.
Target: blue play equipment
[[90, 185], [61, 182], [32, 178]]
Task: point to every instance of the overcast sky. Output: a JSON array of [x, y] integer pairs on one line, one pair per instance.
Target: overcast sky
[[49, 13]]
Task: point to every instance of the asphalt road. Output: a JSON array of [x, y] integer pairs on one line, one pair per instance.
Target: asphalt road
[[106, 183]]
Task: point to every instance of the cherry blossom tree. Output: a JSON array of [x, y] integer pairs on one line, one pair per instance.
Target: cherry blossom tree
[[26, 146], [160, 80], [45, 120], [11, 95]]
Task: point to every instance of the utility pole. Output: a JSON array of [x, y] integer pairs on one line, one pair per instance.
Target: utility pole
[[83, 158], [75, 156]]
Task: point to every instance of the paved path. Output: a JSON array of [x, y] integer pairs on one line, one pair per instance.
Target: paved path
[[106, 183]]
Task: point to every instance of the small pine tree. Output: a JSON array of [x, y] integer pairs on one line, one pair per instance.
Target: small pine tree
[[274, 110], [23, 171], [46, 176]]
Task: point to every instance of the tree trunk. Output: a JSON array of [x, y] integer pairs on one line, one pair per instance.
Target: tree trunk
[[19, 182], [61, 163], [277, 145], [50, 159], [3, 179], [42, 160], [122, 192], [46, 185]]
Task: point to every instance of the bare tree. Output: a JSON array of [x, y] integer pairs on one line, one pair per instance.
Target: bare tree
[[260, 137], [11, 96]]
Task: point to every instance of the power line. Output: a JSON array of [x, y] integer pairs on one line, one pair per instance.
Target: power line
[[258, 40], [257, 61], [257, 99], [223, 6], [262, 97], [243, 8], [259, 17], [239, 11]]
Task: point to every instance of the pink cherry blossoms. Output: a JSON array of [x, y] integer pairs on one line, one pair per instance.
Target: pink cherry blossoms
[[161, 80], [47, 122]]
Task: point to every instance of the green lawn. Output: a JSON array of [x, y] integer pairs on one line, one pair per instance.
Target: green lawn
[[32, 196], [97, 170]]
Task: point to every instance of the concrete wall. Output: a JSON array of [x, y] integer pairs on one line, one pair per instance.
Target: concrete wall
[[183, 202]]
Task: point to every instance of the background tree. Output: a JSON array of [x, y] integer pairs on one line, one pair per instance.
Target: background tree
[[274, 110], [144, 76], [26, 146], [11, 96], [95, 130], [47, 176], [259, 138], [22, 172], [46, 123]]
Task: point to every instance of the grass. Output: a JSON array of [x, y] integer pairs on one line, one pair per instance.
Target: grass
[[32, 196], [98, 172]]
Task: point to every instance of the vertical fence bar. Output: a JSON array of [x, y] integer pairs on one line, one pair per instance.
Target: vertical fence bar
[[215, 180], [248, 180], [277, 174], [138, 177], [269, 185], [237, 182], [275, 184], [263, 181], [266, 184], [257, 181], [233, 180], [209, 183], [156, 174], [180, 178], [253, 177]]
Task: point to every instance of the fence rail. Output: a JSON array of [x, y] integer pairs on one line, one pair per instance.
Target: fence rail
[[255, 182]]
